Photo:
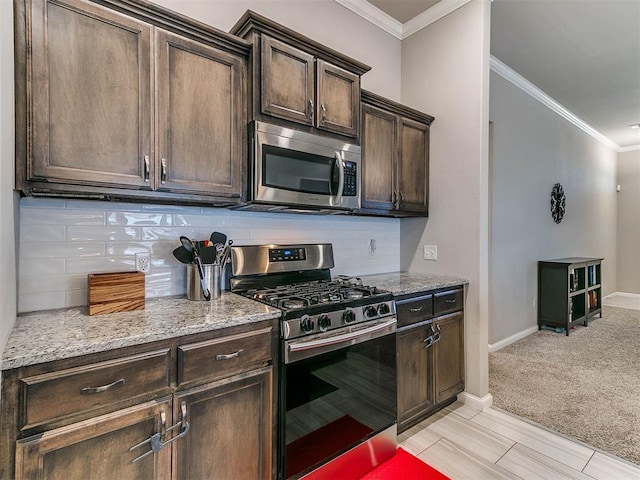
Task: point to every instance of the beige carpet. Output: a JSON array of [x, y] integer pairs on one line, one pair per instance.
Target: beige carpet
[[586, 385]]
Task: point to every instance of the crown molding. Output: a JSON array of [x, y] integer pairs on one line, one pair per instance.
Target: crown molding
[[630, 148], [526, 86], [399, 30], [433, 14], [374, 15]]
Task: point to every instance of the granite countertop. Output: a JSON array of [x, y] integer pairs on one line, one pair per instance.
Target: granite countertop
[[45, 336], [403, 283], [49, 335]]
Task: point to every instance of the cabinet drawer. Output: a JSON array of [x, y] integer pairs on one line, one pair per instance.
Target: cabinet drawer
[[448, 301], [224, 356], [55, 395], [414, 309]]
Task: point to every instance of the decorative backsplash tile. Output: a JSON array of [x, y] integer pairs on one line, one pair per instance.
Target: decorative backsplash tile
[[61, 241]]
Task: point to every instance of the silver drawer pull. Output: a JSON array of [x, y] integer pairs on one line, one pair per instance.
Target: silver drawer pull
[[415, 309], [91, 390], [450, 300], [229, 356]]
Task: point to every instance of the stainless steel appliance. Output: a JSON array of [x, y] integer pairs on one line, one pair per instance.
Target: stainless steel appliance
[[337, 360], [297, 169]]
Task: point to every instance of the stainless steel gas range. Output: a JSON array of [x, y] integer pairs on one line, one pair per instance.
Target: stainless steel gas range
[[337, 360]]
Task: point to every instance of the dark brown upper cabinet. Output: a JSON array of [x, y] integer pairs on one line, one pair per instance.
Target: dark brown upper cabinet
[[395, 158], [295, 79], [110, 105]]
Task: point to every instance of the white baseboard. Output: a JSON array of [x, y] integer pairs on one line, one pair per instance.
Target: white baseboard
[[623, 294], [476, 403], [494, 347]]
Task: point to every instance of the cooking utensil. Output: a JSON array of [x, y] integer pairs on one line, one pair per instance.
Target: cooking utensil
[[217, 237], [189, 245], [208, 254], [183, 255]]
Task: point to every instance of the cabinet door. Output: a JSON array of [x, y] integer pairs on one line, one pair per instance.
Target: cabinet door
[[379, 157], [338, 99], [90, 96], [287, 82], [449, 357], [413, 166], [201, 117], [415, 374], [97, 448], [230, 434]]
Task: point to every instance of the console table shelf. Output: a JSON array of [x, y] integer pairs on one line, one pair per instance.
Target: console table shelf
[[569, 291]]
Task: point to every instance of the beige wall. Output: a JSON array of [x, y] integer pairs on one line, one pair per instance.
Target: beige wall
[[445, 70], [628, 222], [324, 21], [534, 148], [7, 198]]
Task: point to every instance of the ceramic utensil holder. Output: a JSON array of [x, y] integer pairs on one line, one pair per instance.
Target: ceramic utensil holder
[[212, 279]]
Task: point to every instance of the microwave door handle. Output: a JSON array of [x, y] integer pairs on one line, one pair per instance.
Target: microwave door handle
[[338, 158]]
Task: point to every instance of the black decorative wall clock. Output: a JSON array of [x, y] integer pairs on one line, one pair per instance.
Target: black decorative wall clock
[[558, 203]]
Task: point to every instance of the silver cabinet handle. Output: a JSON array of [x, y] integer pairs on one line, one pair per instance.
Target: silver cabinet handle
[[324, 112], [428, 341], [400, 200], [229, 356], [157, 440], [146, 168], [450, 300], [415, 309], [103, 388], [311, 109], [163, 173]]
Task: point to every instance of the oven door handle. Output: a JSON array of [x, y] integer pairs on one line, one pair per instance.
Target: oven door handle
[[302, 349]]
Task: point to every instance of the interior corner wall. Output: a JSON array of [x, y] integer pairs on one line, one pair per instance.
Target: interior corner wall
[[533, 149], [628, 222], [8, 199], [445, 70], [324, 21]]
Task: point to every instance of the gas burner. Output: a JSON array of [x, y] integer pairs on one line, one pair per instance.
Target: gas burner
[[348, 280], [292, 303], [329, 297]]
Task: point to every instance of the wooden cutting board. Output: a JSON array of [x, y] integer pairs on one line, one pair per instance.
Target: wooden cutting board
[[115, 292]]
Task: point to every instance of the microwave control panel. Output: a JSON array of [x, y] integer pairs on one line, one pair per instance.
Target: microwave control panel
[[350, 188]]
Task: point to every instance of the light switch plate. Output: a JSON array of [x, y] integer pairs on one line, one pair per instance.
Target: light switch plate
[[430, 252]]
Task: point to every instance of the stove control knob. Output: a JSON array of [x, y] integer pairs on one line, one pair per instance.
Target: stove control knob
[[349, 316], [370, 311], [306, 324], [383, 309], [324, 322]]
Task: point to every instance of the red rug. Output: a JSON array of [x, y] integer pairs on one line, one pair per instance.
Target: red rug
[[404, 466], [314, 447]]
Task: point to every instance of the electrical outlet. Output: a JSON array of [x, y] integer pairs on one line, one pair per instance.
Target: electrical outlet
[[143, 262], [430, 252]]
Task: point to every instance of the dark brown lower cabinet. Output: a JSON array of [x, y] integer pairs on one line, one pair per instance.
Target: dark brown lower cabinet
[[98, 448], [430, 353], [230, 430], [201, 406], [449, 357], [415, 367]]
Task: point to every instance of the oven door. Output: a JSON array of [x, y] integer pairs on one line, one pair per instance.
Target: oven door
[[336, 391]]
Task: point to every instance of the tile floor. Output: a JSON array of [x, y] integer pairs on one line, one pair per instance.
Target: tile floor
[[468, 444]]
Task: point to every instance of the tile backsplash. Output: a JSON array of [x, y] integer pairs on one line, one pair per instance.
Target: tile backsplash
[[61, 241]]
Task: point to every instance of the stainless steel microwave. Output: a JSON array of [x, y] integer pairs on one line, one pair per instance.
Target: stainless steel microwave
[[299, 169]]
